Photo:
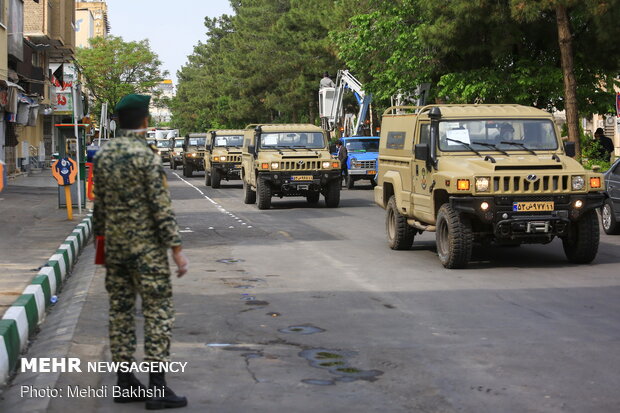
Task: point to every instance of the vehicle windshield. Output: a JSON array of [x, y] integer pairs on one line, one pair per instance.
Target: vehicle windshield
[[222, 141], [163, 144], [362, 145], [283, 140], [178, 143], [151, 141], [503, 134], [197, 141]]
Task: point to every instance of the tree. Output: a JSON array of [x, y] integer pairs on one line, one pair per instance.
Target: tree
[[113, 68]]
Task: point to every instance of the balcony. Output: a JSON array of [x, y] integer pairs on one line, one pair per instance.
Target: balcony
[[51, 22]]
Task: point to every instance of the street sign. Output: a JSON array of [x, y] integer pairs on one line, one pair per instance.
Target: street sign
[[65, 170]]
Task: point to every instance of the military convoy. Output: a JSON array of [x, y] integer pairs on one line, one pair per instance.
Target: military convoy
[[288, 160], [193, 153], [480, 174], [223, 156]]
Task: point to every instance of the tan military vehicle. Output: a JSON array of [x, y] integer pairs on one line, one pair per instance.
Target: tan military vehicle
[[484, 174], [193, 153], [223, 158], [288, 160], [163, 148], [176, 151]]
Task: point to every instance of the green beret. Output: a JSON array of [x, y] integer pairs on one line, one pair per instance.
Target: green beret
[[134, 101]]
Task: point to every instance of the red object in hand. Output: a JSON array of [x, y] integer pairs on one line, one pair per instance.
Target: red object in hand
[[100, 250]]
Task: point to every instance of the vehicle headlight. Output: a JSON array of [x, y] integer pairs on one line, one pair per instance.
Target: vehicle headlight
[[222, 158], [326, 164], [275, 165], [578, 183], [482, 184]]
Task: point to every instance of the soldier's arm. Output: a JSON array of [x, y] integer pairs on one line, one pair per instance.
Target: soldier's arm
[[98, 205], [161, 205]]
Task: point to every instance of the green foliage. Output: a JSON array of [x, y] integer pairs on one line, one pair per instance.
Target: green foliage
[[113, 68]]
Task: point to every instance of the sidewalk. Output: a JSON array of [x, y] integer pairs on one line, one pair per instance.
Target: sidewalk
[[31, 229]]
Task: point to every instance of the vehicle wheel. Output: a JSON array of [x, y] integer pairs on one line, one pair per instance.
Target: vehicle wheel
[[184, 170], [400, 234], [264, 194], [373, 183], [610, 225], [454, 238], [207, 178], [172, 164], [313, 197], [332, 196], [249, 196], [581, 244], [350, 182], [216, 178], [190, 171]]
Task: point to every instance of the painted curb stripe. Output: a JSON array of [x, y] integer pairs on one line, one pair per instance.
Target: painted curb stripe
[[62, 261], [18, 315], [39, 299], [57, 265], [10, 337], [79, 236], [44, 280], [73, 239], [29, 303], [73, 249], [4, 361], [67, 250]]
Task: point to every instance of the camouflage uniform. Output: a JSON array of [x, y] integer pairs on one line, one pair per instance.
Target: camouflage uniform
[[133, 211]]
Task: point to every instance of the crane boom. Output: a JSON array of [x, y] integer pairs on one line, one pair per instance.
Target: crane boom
[[331, 107]]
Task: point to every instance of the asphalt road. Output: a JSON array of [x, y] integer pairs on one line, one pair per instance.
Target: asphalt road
[[306, 309]]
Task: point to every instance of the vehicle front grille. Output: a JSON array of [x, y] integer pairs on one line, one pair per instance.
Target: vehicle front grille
[[371, 164], [519, 184], [300, 165], [232, 158]]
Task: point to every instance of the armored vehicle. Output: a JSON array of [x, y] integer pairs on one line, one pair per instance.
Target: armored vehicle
[[163, 148], [223, 157], [193, 153], [176, 150], [288, 160], [480, 174]]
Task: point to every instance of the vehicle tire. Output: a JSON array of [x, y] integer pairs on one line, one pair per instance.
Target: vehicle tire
[[172, 164], [454, 238], [249, 196], [207, 178], [608, 219], [350, 182], [400, 235], [313, 197], [190, 171], [581, 244], [332, 196], [216, 178], [264, 194], [373, 183]]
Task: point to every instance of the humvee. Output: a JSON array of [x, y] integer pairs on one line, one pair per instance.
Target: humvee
[[223, 157], [163, 148], [481, 174], [176, 149], [193, 153], [288, 160]]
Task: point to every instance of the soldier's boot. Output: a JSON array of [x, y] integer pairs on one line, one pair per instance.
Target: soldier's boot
[[131, 390], [167, 400]]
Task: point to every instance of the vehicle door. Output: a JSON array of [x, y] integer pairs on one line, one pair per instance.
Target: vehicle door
[[613, 187], [247, 158], [422, 181]]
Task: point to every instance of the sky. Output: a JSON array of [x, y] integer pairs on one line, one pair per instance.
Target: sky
[[172, 27]]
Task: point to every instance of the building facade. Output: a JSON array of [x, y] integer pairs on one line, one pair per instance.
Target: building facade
[[160, 110]]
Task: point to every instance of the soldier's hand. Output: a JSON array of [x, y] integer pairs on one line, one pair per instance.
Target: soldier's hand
[[181, 261]]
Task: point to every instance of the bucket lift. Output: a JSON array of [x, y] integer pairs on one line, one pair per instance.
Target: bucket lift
[[331, 108]]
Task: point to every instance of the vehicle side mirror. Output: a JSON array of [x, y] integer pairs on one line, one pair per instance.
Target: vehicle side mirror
[[252, 149], [569, 148], [421, 152], [184, 148]]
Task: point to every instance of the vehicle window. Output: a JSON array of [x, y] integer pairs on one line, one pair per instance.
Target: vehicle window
[[362, 145], [308, 140], [197, 141], [178, 143], [616, 171], [163, 144], [425, 133], [506, 134], [151, 141], [222, 141]]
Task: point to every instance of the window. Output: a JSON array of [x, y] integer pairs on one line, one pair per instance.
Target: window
[[303, 140], [425, 133]]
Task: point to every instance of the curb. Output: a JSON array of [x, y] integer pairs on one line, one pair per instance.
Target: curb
[[28, 311]]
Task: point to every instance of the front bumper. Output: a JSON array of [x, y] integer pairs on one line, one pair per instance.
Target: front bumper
[[358, 173], [291, 183], [197, 164], [507, 223], [228, 169]]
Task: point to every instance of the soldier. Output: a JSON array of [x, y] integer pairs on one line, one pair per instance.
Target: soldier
[[133, 212], [343, 156]]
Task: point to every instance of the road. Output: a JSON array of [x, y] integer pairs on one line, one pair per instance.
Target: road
[[277, 301]]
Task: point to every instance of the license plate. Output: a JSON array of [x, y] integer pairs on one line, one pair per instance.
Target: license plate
[[301, 178], [372, 172], [237, 166], [533, 206]]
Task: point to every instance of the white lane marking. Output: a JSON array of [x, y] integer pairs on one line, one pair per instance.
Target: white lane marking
[[218, 206]]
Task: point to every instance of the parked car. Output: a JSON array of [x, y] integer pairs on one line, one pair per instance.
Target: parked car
[[610, 212]]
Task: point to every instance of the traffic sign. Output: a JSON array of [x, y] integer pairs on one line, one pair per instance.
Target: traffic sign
[[65, 170]]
